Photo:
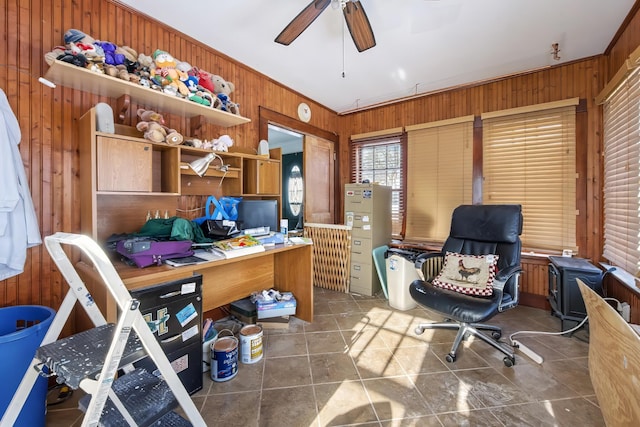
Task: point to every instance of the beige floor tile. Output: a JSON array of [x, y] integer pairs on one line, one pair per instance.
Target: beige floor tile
[[286, 372], [294, 406], [396, 398], [343, 403], [445, 392], [332, 367], [285, 345], [376, 363], [361, 363], [325, 342]]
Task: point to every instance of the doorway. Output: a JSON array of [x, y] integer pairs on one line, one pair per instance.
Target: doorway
[[291, 144]]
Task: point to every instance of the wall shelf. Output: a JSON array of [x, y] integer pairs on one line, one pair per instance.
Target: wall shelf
[[101, 84]]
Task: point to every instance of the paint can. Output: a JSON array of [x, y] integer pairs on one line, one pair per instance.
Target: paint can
[[251, 344], [224, 358]]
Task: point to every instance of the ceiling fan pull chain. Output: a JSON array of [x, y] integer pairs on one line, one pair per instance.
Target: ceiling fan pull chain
[[343, 52]]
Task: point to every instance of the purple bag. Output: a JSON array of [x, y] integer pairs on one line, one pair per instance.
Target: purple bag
[[145, 251]]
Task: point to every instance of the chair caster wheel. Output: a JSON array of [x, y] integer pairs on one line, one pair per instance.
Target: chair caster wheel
[[450, 358], [496, 335], [419, 330], [509, 361]]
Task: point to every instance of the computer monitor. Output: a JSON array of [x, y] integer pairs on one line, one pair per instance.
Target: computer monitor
[[258, 213]]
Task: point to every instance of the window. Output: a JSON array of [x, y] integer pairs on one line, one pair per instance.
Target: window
[[379, 159], [621, 172], [439, 176], [295, 190], [529, 159]]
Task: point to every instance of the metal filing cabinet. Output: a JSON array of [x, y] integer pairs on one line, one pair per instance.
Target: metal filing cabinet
[[368, 211], [173, 311]]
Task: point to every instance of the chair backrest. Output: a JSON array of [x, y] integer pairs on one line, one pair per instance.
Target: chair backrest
[[487, 229], [614, 358]]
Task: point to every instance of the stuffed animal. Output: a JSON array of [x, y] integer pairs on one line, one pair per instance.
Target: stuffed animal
[[204, 79], [152, 126], [143, 70], [222, 144], [223, 89], [166, 75]]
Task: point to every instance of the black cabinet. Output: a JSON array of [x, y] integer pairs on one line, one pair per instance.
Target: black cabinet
[[173, 311], [564, 294]]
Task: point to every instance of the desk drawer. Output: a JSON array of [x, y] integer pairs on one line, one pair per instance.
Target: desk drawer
[[173, 311]]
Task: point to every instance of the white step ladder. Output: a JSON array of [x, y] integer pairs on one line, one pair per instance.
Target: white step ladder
[[123, 348]]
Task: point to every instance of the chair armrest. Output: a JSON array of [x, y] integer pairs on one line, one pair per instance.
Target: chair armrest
[[431, 262], [501, 280], [505, 274]]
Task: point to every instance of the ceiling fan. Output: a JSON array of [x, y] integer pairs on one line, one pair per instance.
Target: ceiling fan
[[354, 15]]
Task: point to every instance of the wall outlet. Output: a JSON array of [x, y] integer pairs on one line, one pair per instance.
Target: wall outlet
[[625, 311]]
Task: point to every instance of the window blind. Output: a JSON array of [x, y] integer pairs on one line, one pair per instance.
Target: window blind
[[621, 175], [439, 177], [529, 159], [380, 159]]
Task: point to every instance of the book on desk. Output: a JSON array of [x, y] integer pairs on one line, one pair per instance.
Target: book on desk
[[238, 246]]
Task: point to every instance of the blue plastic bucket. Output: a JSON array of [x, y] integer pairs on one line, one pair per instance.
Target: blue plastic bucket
[[22, 329]]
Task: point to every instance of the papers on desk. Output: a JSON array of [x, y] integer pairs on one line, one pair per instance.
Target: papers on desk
[[200, 256]]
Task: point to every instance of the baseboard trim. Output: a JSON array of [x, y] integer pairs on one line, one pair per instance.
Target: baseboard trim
[[535, 301]]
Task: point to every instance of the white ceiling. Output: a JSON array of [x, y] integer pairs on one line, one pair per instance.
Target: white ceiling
[[422, 45]]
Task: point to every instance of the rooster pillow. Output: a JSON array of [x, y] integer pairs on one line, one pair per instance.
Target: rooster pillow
[[467, 274]]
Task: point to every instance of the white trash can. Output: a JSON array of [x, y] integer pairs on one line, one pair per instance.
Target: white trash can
[[400, 273]]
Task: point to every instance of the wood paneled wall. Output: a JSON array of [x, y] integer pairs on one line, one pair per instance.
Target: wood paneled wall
[[48, 117]]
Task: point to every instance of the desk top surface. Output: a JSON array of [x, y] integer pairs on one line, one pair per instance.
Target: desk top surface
[[134, 277]]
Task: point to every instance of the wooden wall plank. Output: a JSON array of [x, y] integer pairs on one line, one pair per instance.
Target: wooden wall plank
[[48, 118]]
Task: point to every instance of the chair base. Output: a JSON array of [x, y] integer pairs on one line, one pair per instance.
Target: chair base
[[464, 330]]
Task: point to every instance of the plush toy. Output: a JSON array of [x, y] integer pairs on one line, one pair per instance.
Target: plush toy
[[222, 90], [204, 79], [111, 56], [152, 126], [143, 70], [166, 75], [222, 144]]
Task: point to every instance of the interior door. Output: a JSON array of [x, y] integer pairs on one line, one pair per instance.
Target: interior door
[[319, 180]]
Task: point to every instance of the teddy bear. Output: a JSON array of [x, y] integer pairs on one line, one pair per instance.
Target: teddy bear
[[152, 126], [223, 89], [166, 75]]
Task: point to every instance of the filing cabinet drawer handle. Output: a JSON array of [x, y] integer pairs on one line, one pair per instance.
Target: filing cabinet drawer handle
[[171, 339], [171, 294]]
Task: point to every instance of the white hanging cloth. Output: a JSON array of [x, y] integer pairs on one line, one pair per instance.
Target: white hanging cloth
[[18, 221]]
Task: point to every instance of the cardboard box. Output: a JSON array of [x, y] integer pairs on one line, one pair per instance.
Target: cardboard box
[[267, 309]]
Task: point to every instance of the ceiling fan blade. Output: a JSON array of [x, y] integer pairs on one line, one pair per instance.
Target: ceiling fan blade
[[359, 26], [302, 21]]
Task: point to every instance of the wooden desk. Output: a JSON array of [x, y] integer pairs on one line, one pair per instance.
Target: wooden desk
[[285, 268]]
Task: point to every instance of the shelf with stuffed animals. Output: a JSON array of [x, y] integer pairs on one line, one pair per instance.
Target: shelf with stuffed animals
[[80, 78]]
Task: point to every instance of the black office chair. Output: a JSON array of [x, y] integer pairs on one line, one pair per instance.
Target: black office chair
[[475, 230]]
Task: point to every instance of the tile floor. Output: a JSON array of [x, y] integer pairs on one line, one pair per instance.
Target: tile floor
[[360, 363]]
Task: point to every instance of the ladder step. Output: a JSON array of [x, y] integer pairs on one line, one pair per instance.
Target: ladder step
[[82, 355], [172, 419], [147, 398]]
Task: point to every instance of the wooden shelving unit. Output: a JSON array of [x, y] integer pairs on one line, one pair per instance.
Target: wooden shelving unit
[[125, 176], [101, 84]]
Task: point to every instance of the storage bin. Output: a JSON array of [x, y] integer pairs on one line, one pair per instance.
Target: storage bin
[[22, 329]]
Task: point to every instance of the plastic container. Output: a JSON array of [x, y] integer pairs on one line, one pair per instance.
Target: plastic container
[[22, 329], [400, 273]]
